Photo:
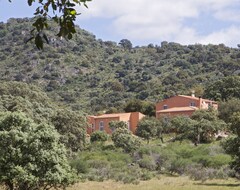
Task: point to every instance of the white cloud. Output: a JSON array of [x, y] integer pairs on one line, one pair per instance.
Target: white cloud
[[228, 15], [163, 20], [229, 36]]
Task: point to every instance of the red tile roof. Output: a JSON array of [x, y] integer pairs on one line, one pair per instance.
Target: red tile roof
[[196, 98]]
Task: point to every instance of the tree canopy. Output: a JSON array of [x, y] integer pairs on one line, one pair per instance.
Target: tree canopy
[[31, 155], [64, 13], [232, 144], [123, 138], [205, 125], [147, 128], [224, 89], [17, 96], [72, 126]]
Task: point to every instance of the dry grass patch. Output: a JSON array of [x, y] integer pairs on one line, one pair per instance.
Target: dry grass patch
[[164, 183]]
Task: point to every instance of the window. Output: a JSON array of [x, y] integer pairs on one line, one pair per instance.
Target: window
[[193, 104], [165, 107], [101, 126]]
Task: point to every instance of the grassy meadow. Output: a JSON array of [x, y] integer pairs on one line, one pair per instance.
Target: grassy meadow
[[163, 183]]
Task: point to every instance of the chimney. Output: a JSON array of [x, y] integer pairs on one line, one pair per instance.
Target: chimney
[[193, 93]]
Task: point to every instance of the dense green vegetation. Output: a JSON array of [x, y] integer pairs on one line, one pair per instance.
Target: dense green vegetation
[[92, 75], [54, 89], [102, 162], [21, 97], [32, 156]]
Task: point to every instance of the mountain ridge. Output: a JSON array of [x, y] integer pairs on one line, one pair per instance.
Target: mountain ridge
[[93, 75]]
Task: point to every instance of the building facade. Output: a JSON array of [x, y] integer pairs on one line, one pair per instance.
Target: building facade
[[101, 122], [183, 105]]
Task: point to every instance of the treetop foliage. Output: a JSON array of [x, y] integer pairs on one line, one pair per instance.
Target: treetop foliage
[[20, 97], [32, 156], [123, 138], [224, 89], [232, 144], [64, 14], [148, 127]]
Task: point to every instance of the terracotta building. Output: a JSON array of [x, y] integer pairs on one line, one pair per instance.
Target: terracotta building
[[101, 122], [183, 105]]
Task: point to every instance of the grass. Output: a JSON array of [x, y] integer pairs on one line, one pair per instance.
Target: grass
[[164, 183]]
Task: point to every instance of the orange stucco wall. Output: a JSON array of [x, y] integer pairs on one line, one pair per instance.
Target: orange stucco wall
[[135, 117], [96, 124], [187, 113], [181, 101], [177, 101]]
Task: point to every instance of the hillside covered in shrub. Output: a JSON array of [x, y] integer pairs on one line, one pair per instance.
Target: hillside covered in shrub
[[93, 75]]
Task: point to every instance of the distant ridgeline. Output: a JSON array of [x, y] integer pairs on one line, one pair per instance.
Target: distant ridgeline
[[93, 75]]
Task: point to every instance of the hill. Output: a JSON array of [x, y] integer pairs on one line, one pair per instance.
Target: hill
[[93, 75]]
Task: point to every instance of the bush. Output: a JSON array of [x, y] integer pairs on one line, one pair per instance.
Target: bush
[[220, 160], [179, 165], [216, 161], [100, 170], [123, 138], [145, 150], [203, 174], [80, 166], [130, 174], [204, 160], [98, 136], [147, 162], [98, 164], [146, 175]]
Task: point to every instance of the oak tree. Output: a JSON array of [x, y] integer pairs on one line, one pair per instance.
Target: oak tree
[[31, 155]]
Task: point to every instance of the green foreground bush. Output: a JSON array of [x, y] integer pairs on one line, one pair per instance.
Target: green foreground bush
[[103, 162]]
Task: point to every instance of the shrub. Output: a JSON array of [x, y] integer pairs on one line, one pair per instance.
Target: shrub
[[100, 170], [179, 165], [220, 160], [204, 160], [146, 175], [147, 162], [80, 166], [203, 174], [130, 174], [98, 136], [216, 161], [123, 138], [145, 150], [97, 164]]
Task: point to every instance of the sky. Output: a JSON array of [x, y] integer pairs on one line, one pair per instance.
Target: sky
[[144, 22]]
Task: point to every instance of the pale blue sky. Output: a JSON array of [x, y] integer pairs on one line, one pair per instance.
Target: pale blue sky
[[182, 21]]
